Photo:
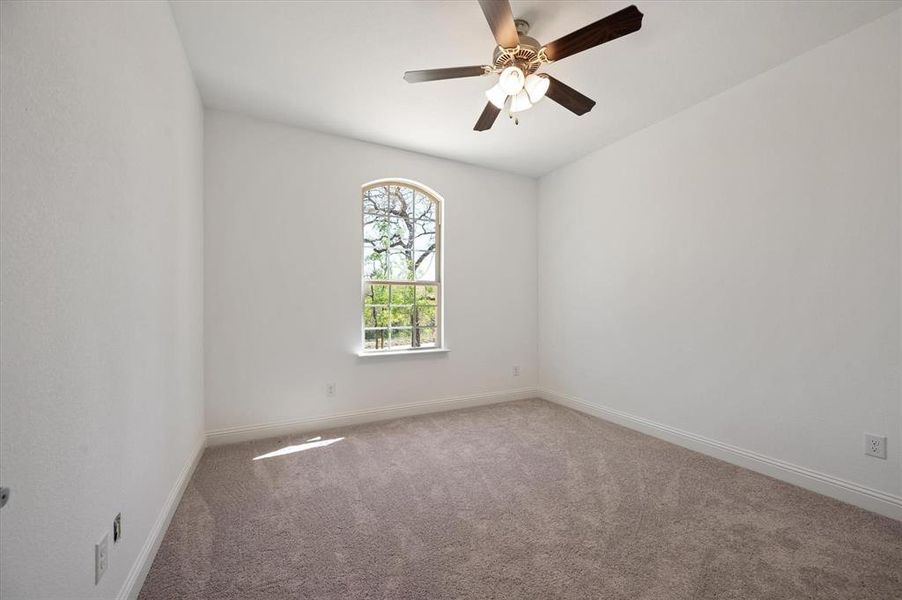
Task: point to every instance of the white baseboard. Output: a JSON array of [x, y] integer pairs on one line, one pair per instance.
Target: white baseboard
[[852, 493], [135, 579], [232, 435]]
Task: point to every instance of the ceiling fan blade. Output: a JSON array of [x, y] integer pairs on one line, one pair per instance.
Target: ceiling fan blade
[[501, 20], [487, 118], [604, 30], [449, 73], [569, 98]]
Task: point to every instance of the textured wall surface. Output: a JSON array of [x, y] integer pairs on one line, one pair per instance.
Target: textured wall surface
[[734, 271], [101, 373], [283, 272]]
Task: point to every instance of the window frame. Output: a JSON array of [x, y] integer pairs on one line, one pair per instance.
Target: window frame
[[439, 345]]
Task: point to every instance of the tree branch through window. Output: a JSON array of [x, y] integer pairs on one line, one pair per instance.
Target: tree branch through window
[[401, 248]]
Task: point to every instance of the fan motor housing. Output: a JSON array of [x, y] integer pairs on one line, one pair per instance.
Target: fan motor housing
[[524, 57]]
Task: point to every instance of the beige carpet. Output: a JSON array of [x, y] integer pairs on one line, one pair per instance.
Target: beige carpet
[[516, 501]]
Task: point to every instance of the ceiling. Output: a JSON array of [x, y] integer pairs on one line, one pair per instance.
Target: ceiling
[[337, 67]]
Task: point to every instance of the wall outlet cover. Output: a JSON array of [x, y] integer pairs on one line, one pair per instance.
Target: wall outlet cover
[[875, 445], [101, 557]]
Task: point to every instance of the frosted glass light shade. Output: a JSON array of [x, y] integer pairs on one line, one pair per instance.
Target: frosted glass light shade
[[536, 86], [496, 95], [512, 80], [520, 102]]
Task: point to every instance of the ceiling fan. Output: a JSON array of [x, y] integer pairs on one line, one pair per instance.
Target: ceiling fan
[[518, 57]]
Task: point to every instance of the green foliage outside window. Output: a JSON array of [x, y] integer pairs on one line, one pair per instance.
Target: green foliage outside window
[[400, 245]]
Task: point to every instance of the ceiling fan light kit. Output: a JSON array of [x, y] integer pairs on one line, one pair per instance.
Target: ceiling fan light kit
[[517, 57], [520, 102], [496, 95], [536, 86], [511, 80]]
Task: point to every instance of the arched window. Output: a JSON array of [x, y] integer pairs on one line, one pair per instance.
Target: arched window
[[402, 287]]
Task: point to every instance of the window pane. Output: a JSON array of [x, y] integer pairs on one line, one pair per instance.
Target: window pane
[[403, 295], [403, 201], [396, 242], [383, 200], [427, 295], [400, 264], [375, 201], [393, 199], [375, 294], [424, 208], [376, 241], [375, 339], [426, 316], [424, 250], [400, 338], [375, 316], [400, 316], [424, 264], [424, 337]]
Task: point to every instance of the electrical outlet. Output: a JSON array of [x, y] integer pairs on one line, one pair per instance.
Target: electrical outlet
[[516, 371], [101, 557], [875, 445], [330, 389], [117, 528]]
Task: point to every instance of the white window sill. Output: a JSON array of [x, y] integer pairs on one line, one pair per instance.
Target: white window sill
[[380, 353]]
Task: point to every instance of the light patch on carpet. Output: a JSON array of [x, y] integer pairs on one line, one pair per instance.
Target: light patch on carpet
[[309, 445]]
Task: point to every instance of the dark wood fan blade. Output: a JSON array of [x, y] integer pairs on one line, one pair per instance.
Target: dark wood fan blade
[[487, 118], [569, 98], [604, 30], [501, 20], [449, 73]]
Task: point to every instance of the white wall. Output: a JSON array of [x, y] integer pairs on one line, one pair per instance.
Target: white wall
[[734, 271], [101, 374], [283, 269]]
